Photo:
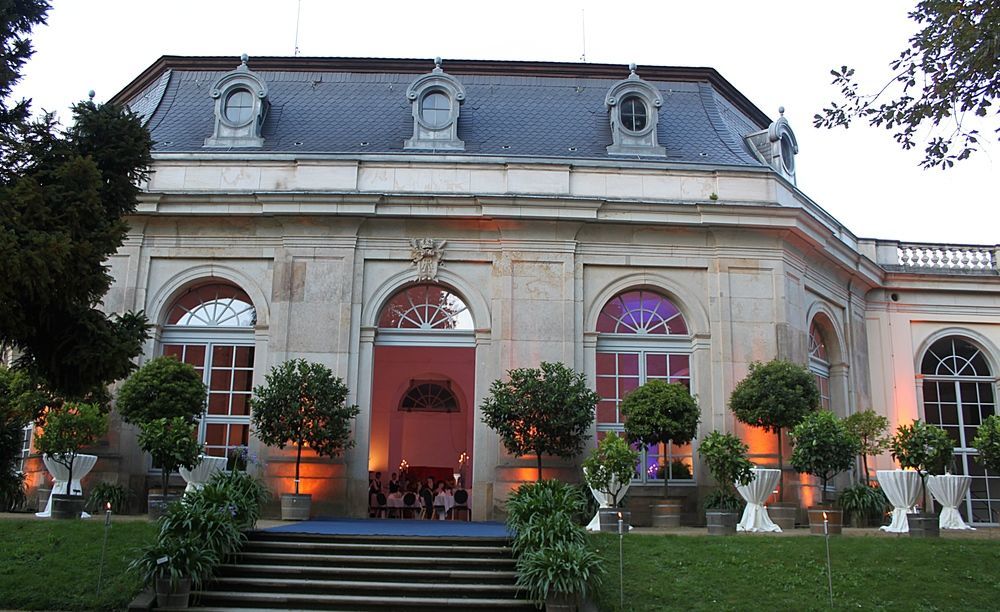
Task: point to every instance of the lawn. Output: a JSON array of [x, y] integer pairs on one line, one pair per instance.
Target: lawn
[[789, 573], [53, 565]]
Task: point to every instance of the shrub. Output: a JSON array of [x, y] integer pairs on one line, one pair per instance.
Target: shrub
[[774, 396], [186, 557], [725, 455], [163, 388], [542, 411], [212, 524], [987, 442], [303, 404], [823, 447], [239, 493], [870, 430], [542, 498], [565, 568], [922, 447], [611, 466], [660, 412], [103, 493], [863, 504]]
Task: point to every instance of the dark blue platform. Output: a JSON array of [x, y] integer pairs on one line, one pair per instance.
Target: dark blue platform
[[396, 527]]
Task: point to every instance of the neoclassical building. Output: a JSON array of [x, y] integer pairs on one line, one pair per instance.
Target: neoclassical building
[[422, 227]]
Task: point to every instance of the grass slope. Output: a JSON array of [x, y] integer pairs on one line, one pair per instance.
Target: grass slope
[[773, 573], [53, 565]]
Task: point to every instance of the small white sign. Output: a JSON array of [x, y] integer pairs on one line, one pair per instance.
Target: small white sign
[[162, 560]]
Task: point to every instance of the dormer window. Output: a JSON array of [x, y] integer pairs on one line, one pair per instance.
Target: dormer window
[[633, 109], [240, 108], [435, 100], [777, 147]]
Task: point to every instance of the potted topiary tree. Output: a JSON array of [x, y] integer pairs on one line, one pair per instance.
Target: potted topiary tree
[[163, 388], [66, 429], [661, 412], [173, 443], [927, 449], [542, 411], [609, 469], [774, 396], [725, 455], [302, 404], [864, 503], [987, 442], [823, 448]]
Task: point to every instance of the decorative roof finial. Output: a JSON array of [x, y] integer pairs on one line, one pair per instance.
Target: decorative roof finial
[[437, 64], [244, 59], [631, 68], [91, 94], [781, 111]]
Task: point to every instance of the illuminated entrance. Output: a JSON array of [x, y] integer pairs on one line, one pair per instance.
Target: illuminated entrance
[[423, 384]]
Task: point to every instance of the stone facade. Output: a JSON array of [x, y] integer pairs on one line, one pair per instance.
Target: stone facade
[[535, 247]]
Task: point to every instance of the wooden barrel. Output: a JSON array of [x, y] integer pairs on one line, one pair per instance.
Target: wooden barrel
[[783, 515], [923, 525], [667, 513], [834, 520], [296, 507], [721, 522], [609, 519]]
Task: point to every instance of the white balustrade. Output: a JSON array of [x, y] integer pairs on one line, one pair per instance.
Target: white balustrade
[[947, 257]]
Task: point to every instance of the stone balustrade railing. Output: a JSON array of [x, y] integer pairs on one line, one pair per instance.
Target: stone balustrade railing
[[947, 257]]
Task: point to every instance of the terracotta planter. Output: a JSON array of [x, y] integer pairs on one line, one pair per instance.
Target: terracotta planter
[[296, 507], [667, 513], [67, 506], [783, 515], [176, 596], [609, 519], [834, 520], [923, 525], [721, 522]]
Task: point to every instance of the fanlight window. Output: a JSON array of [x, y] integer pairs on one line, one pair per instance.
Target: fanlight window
[[954, 357], [429, 397], [817, 346], [214, 305], [425, 307], [641, 312]]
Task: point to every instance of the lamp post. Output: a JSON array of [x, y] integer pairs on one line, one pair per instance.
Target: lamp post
[[621, 561], [104, 547], [829, 573]]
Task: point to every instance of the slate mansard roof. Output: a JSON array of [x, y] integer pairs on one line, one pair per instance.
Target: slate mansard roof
[[512, 109]]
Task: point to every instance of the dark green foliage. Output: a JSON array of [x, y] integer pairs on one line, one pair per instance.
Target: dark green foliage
[[949, 73], [863, 504], [870, 430], [68, 428], [551, 550], [773, 396], [823, 446], [17, 18], [678, 470], [611, 466], [162, 388], [725, 455], [541, 411], [303, 403], [239, 493], [187, 557], [104, 493], [660, 412], [987, 442], [724, 500], [922, 447], [173, 444], [203, 519]]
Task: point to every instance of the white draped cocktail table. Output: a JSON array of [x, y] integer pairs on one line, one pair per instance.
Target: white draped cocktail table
[[902, 488], [755, 516], [603, 501], [82, 465], [203, 472], [949, 491]]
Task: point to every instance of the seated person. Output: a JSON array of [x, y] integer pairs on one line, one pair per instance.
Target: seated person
[[394, 486]]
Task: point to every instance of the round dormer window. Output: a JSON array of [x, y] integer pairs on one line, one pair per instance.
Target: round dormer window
[[787, 153], [435, 109], [239, 106], [633, 114]]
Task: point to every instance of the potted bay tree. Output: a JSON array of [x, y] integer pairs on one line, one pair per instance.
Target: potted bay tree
[[775, 396], [725, 455], [609, 469], [173, 443], [302, 404], [864, 503], [823, 448], [66, 429], [661, 412], [928, 449]]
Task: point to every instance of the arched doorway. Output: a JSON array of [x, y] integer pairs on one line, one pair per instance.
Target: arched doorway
[[423, 384], [958, 394]]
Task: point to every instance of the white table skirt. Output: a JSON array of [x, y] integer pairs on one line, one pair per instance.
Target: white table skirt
[[82, 465], [902, 488], [203, 472], [755, 493], [448, 501], [949, 491], [603, 501]]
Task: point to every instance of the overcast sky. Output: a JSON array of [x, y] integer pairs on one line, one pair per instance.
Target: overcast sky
[[776, 52]]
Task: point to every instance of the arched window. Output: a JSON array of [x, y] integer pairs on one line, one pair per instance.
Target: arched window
[[429, 396], [642, 336], [819, 365], [958, 393], [425, 307], [210, 326]]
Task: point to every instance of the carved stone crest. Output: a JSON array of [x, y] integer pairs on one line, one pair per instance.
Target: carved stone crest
[[426, 254]]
